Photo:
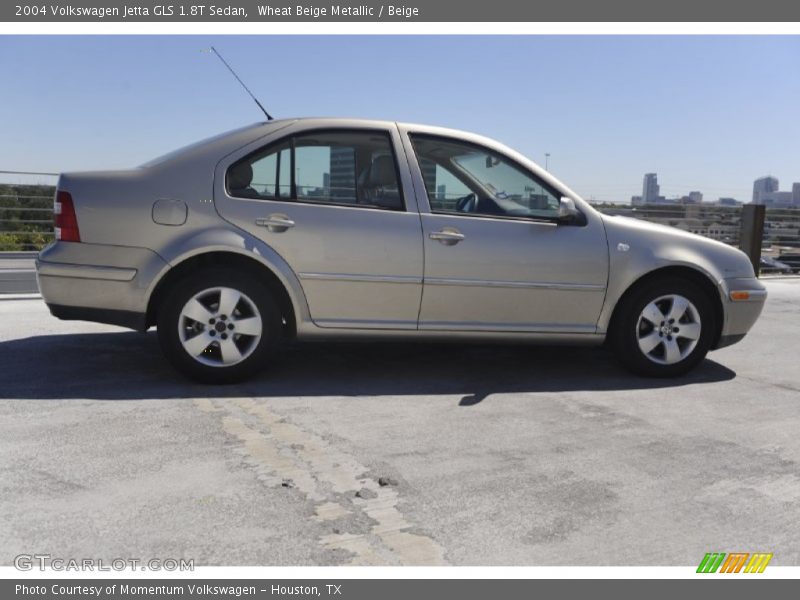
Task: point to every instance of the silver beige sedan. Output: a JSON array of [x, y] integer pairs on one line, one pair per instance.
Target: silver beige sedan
[[323, 228]]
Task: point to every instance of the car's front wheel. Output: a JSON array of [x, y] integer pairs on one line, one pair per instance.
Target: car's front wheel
[[218, 326], [664, 328]]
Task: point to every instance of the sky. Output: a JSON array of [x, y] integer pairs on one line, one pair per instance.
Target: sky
[[707, 113]]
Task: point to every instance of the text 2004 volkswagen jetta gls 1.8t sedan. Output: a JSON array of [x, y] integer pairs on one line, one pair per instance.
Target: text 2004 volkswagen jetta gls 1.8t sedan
[[314, 228]]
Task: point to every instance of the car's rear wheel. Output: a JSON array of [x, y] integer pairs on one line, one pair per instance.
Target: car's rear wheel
[[219, 326], [664, 328]]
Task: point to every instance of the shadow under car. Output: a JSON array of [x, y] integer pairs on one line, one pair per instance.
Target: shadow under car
[[130, 366]]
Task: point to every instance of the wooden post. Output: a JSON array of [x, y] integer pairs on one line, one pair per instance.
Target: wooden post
[[752, 233]]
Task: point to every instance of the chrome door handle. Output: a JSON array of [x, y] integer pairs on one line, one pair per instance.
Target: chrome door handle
[[447, 236], [276, 223]]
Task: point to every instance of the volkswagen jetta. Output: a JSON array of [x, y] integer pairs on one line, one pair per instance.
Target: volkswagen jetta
[[323, 228]]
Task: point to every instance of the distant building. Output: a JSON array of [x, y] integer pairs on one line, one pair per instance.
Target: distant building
[[716, 231], [692, 210], [690, 224], [696, 197], [342, 173], [764, 185], [796, 194], [441, 192], [728, 202], [636, 200], [722, 232], [665, 200], [650, 189], [775, 199]]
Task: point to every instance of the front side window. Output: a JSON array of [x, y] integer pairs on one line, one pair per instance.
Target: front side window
[[341, 167], [467, 179]]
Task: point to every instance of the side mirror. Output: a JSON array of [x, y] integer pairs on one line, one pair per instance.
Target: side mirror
[[567, 211]]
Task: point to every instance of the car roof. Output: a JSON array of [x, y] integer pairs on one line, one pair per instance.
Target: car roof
[[223, 143], [361, 122]]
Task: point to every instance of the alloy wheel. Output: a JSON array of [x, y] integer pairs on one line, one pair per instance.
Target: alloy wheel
[[220, 327], [668, 329]]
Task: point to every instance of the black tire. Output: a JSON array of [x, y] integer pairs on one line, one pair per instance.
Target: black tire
[[169, 323], [627, 327]]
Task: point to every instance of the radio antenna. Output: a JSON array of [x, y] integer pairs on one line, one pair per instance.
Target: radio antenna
[[246, 89]]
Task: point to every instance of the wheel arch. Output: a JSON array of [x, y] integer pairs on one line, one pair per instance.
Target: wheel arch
[[292, 308], [696, 276]]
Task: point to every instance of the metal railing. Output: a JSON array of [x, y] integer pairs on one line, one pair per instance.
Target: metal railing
[[782, 225], [26, 211], [26, 220]]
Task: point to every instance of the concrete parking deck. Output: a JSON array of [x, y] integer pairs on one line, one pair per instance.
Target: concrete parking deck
[[397, 454]]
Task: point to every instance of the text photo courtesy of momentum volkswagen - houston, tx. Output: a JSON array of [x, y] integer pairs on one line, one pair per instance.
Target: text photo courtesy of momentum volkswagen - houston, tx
[[509, 302]]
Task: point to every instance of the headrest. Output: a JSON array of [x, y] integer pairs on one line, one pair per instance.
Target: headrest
[[382, 171], [240, 176]]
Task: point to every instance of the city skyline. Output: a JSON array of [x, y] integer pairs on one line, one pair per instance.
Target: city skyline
[[606, 109], [766, 190]]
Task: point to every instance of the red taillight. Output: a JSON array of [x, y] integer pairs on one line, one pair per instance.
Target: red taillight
[[65, 220]]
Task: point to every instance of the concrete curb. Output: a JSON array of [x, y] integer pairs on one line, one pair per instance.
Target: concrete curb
[[19, 254], [18, 281], [20, 297]]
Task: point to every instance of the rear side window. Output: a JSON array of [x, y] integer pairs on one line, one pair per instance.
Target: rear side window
[[351, 168]]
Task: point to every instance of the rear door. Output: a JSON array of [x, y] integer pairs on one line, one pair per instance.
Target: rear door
[[337, 205]]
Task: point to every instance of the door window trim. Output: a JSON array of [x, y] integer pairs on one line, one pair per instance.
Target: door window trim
[[289, 141]]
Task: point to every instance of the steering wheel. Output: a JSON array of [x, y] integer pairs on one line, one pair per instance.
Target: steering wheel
[[468, 203]]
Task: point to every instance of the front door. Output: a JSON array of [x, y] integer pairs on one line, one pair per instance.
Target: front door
[[496, 256]]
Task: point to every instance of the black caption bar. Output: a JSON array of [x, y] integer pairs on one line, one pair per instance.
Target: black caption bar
[[414, 10], [393, 589]]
